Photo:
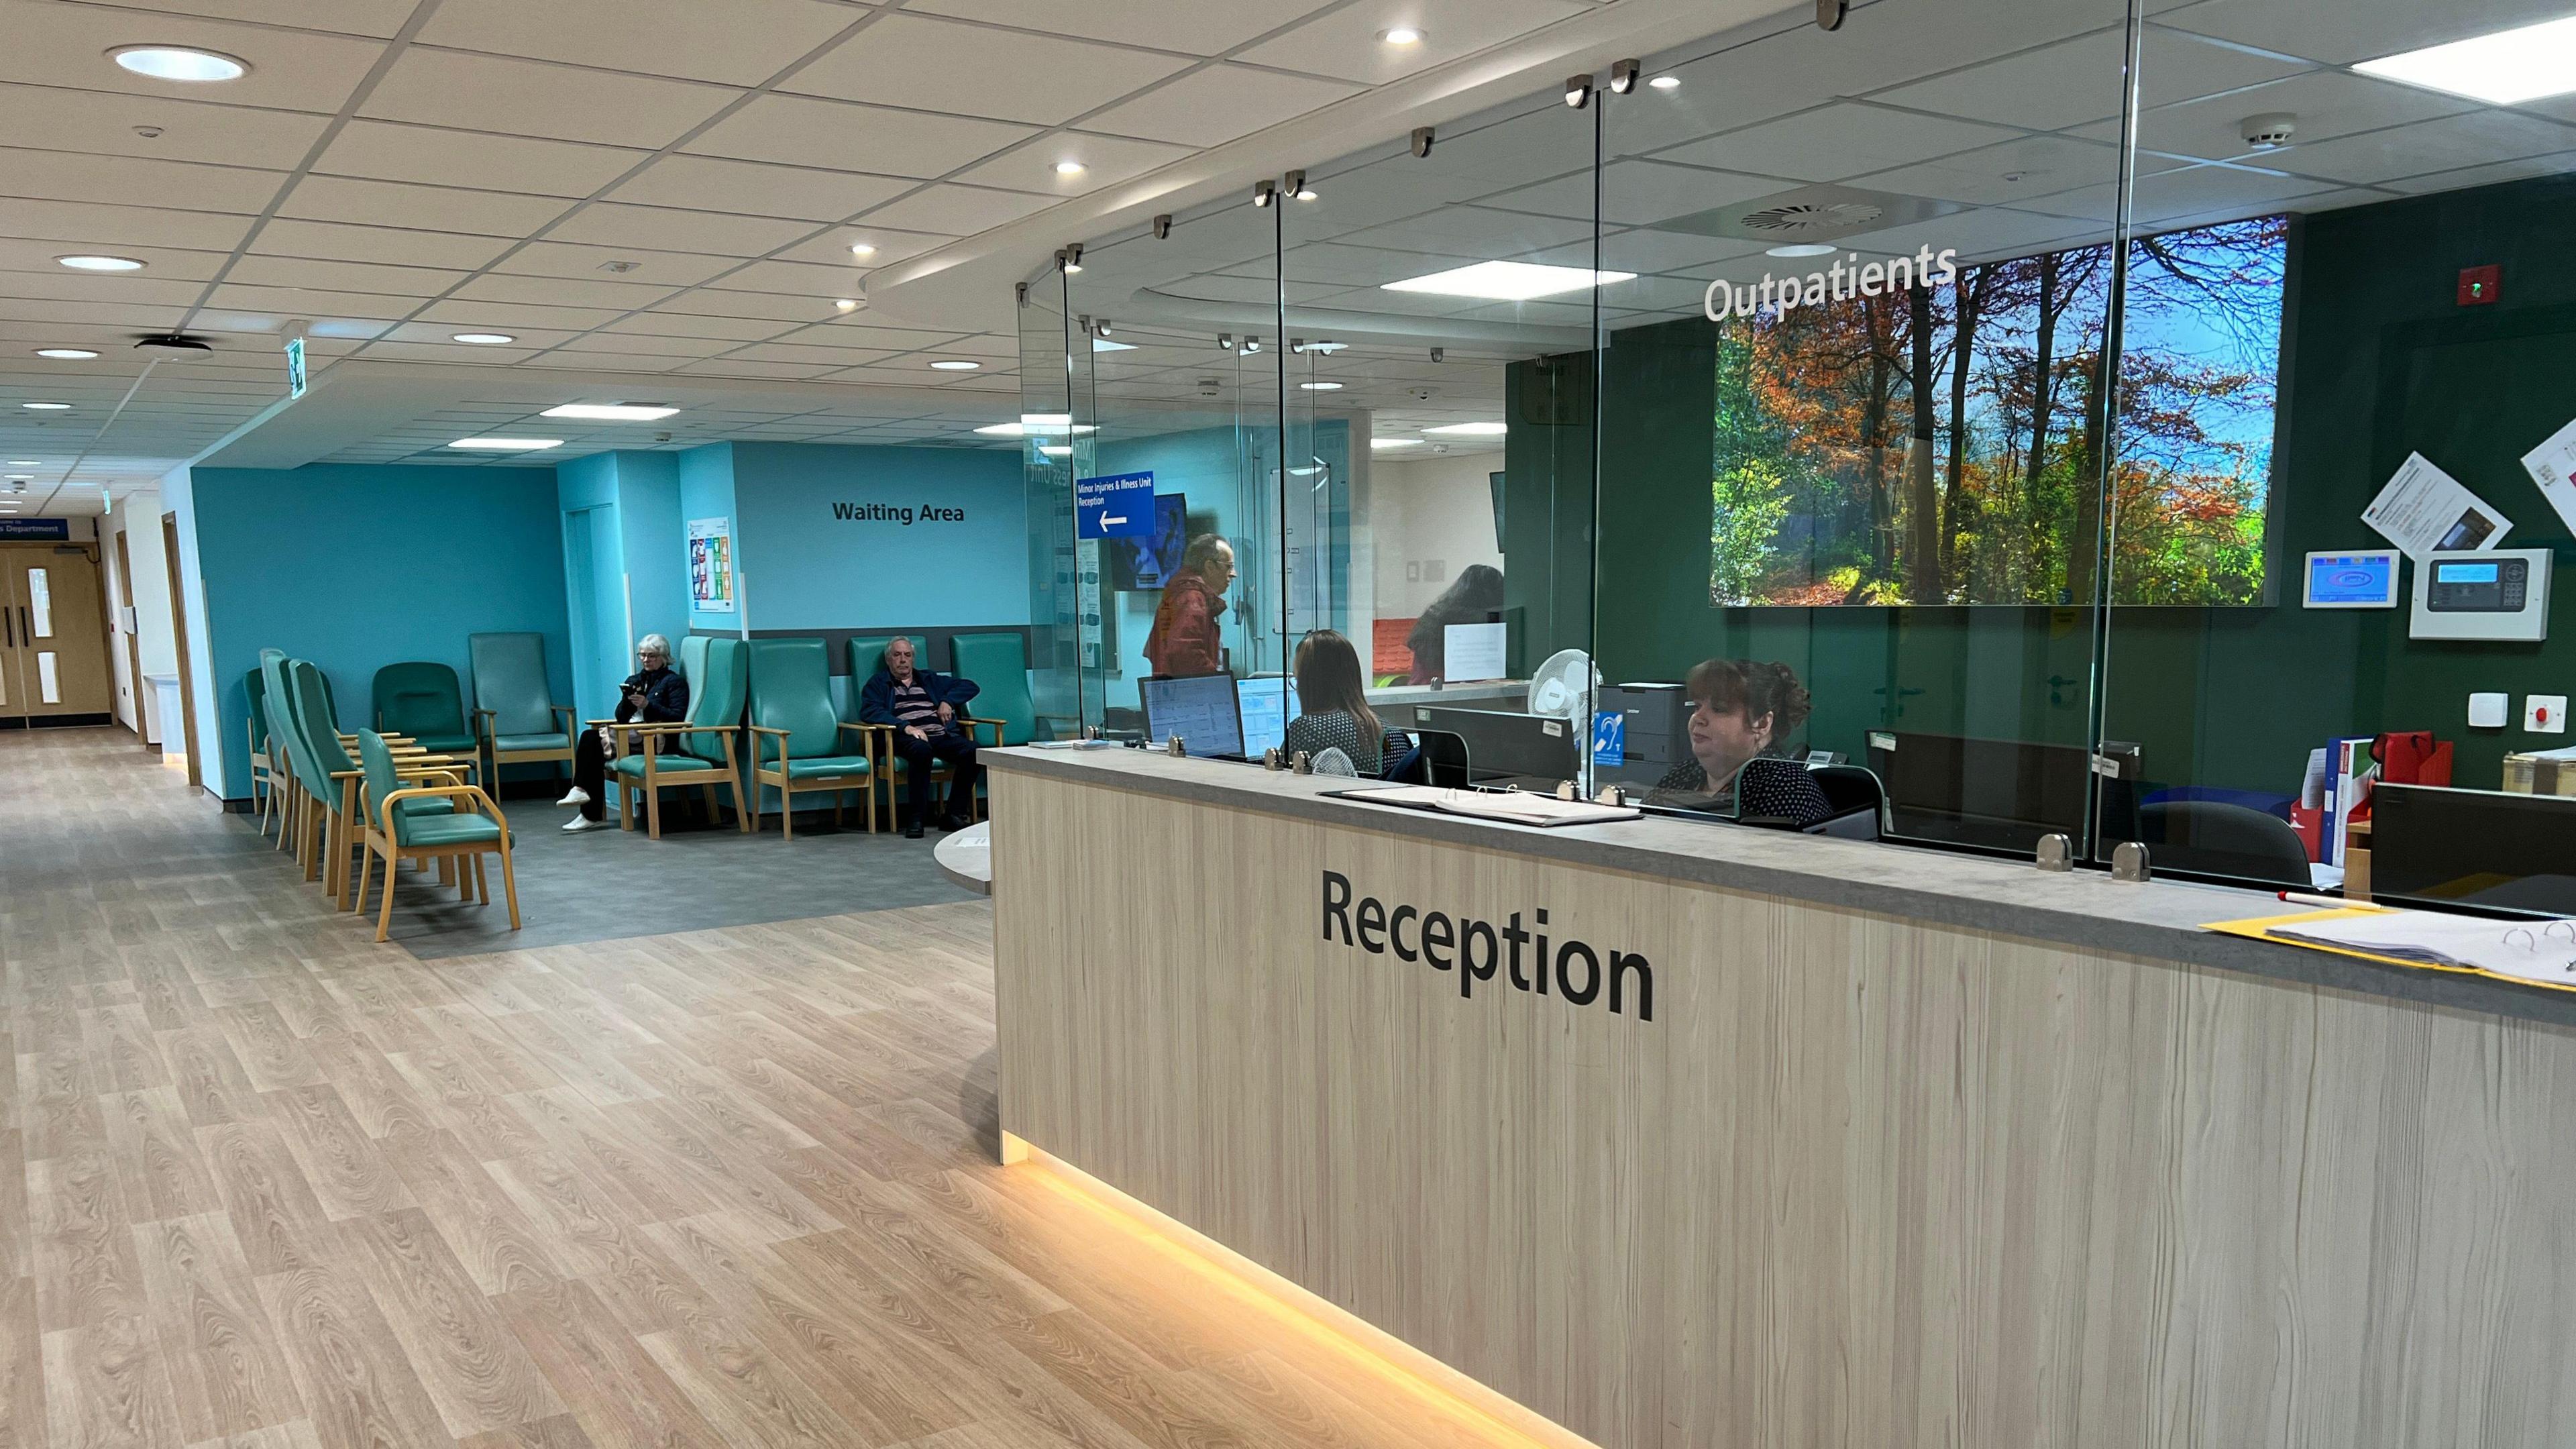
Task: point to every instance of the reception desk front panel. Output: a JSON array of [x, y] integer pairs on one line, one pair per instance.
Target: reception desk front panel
[[1822, 1176]]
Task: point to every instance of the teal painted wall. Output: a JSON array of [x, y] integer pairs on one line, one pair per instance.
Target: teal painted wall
[[358, 567], [706, 491], [810, 568]]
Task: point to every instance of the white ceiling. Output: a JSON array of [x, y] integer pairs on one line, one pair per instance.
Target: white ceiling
[[396, 171]]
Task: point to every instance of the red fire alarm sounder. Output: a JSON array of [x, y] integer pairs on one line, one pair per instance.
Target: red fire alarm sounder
[[2479, 285]]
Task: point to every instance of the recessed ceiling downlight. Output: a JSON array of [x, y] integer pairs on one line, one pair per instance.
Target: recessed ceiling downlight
[[83, 262], [1802, 249], [66, 354], [1506, 281], [484, 339], [1321, 386], [955, 364], [47, 407], [506, 445], [610, 412], [179, 63], [1468, 430], [1403, 35]]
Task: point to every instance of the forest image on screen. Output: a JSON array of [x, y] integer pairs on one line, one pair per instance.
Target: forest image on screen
[[1940, 444]]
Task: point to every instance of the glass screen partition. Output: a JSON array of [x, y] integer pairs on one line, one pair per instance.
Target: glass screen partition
[[2340, 488], [1873, 401]]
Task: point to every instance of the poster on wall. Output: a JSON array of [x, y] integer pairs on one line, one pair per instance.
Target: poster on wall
[[711, 586]]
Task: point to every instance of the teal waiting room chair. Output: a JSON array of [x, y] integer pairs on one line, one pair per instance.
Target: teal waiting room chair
[[799, 742], [453, 824], [867, 656], [516, 719], [999, 665], [698, 750], [421, 701], [264, 768]]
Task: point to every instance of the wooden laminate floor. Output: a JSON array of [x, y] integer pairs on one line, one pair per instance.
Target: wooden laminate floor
[[266, 1183]]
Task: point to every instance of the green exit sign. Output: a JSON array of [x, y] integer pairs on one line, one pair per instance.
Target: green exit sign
[[294, 368]]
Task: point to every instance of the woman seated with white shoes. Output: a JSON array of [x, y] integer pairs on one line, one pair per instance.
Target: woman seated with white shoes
[[654, 694]]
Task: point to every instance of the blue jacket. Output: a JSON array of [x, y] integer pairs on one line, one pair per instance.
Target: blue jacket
[[876, 701]]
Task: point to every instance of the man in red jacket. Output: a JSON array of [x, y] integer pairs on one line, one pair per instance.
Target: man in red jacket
[[1185, 640]]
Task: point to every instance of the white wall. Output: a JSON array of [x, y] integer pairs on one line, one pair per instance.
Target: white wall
[[140, 515], [1430, 518], [179, 496]]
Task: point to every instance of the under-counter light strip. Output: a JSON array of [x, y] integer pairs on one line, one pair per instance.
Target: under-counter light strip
[[1206, 1264]]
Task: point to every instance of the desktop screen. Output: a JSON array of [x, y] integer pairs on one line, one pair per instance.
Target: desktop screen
[[1202, 711], [1266, 705], [2352, 580]]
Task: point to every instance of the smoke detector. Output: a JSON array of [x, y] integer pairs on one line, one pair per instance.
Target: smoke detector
[[2269, 130]]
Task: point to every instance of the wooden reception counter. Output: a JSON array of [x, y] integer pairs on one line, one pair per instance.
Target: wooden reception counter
[[1692, 1135]]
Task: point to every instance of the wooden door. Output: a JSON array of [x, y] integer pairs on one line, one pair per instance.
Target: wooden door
[[56, 642]]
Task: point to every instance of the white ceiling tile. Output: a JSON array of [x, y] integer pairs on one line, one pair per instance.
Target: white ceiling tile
[[55, 44], [591, 263], [436, 208], [383, 151], [803, 279], [803, 131], [2046, 88], [2327, 103], [1344, 43], [580, 359], [1836, 141], [560, 292], [165, 291], [379, 18], [707, 183], [891, 246], [101, 123], [113, 180], [2351, 30], [531, 98], [738, 42], [1106, 161], [2474, 138], [315, 303], [2558, 164], [515, 317], [767, 305], [729, 367], [416, 282], [529, 338], [1200, 27], [2018, 170], [1212, 106], [645, 344], [795, 352], [665, 324], [86, 225], [918, 63], [666, 229], [402, 246], [963, 210], [33, 257]]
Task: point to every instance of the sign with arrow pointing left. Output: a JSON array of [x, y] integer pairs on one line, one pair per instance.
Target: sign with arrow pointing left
[[1115, 505]]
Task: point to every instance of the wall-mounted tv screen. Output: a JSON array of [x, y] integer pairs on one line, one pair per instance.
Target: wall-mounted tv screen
[[1150, 562]]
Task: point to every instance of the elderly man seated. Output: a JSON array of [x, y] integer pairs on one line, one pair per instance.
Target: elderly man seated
[[926, 710]]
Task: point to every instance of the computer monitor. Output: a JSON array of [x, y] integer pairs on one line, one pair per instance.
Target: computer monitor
[[1266, 705], [1202, 711], [2484, 849], [2000, 794], [1503, 746]]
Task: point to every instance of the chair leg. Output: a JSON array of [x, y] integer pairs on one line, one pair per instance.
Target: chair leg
[[366, 872], [509, 881], [707, 797], [385, 913], [653, 811], [625, 807], [786, 812]]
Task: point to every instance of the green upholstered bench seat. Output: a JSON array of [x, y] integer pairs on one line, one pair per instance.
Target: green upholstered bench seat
[[824, 767], [506, 744], [633, 765], [451, 830]]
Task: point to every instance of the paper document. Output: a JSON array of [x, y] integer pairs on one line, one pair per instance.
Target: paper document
[[1472, 652], [1510, 806], [2524, 950], [2424, 509], [1073, 744], [2552, 465]]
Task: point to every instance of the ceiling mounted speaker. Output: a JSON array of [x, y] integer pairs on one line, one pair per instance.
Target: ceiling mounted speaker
[[1829, 14], [173, 346]]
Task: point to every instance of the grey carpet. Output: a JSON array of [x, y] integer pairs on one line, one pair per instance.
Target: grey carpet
[[608, 884]]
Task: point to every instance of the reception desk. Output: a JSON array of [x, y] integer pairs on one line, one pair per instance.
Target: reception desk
[[1693, 1135]]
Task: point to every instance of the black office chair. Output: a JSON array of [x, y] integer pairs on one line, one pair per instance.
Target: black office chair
[[1437, 758], [2222, 839], [1856, 797]]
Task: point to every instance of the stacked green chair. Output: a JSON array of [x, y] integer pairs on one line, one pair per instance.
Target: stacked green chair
[[867, 656], [264, 767], [516, 721], [327, 777], [276, 724], [398, 825], [799, 743], [420, 701], [696, 751]]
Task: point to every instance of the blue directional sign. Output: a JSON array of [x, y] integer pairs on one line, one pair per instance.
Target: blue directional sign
[[294, 368], [1115, 505]]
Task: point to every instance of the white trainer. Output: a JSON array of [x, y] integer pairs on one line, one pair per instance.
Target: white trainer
[[580, 823], [575, 796]]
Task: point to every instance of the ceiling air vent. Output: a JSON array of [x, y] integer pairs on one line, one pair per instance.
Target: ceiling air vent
[[1809, 213]]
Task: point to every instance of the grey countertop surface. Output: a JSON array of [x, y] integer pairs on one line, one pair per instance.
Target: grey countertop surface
[[2083, 908]]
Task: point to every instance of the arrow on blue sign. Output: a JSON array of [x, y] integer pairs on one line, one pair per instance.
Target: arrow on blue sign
[[1114, 505]]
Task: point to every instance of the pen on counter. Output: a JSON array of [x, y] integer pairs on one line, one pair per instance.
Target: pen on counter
[[2303, 898]]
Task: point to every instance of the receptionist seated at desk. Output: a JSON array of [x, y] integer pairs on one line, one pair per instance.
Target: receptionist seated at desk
[[1335, 713], [1743, 715]]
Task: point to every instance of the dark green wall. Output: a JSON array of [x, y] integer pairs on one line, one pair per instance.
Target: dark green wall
[[2379, 361]]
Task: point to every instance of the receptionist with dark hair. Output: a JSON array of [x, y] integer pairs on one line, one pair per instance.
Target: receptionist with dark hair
[[1743, 714]]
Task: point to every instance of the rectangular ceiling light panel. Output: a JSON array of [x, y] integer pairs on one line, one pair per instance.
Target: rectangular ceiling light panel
[[2502, 69], [1507, 281]]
